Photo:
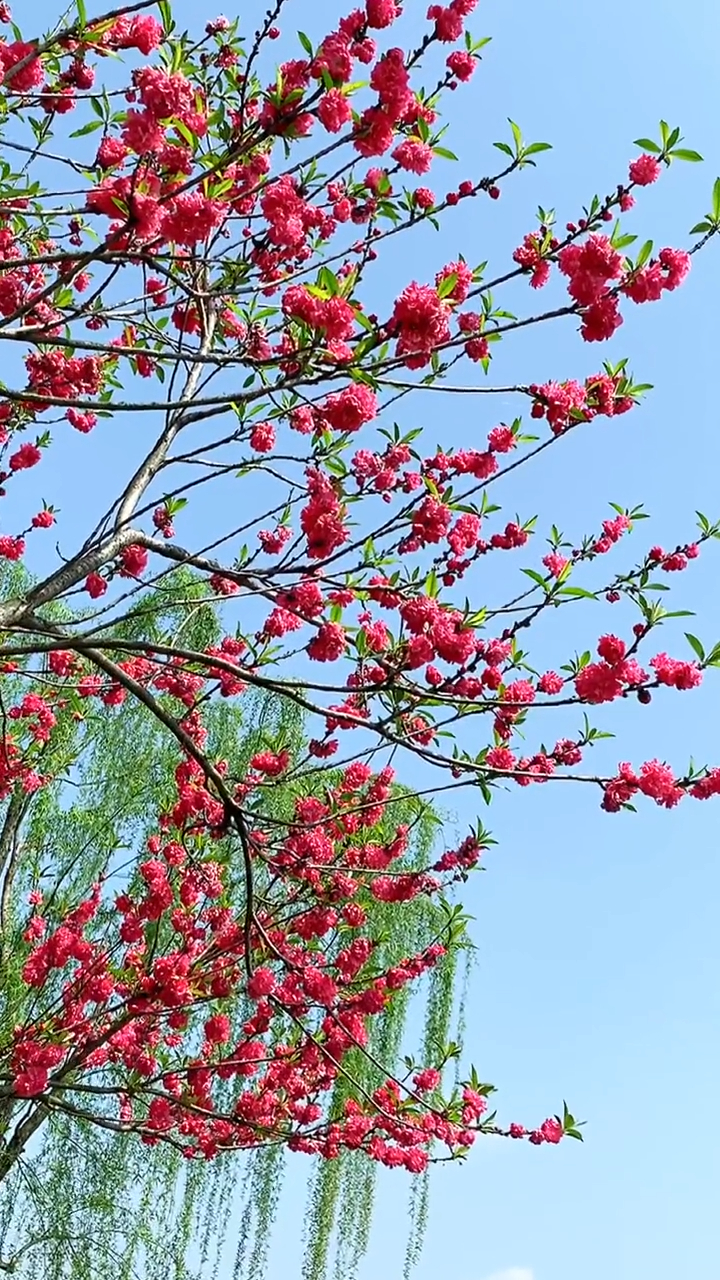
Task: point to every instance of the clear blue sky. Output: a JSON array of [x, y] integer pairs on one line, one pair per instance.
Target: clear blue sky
[[599, 960]]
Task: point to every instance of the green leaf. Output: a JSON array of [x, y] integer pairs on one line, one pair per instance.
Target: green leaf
[[517, 136], [716, 200], [166, 15], [504, 147], [536, 577], [365, 324], [431, 584], [682, 154], [695, 645], [443, 151], [181, 128], [580, 592], [647, 145], [537, 146], [621, 242], [447, 285], [700, 228], [329, 281], [644, 254], [306, 43], [81, 12], [90, 127]]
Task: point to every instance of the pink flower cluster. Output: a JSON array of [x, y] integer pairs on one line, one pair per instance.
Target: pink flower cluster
[[566, 403], [655, 780], [421, 322], [450, 20], [666, 272], [616, 673], [593, 267]]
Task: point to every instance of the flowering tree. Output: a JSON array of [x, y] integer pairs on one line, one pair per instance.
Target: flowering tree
[[178, 213], [86, 1192]]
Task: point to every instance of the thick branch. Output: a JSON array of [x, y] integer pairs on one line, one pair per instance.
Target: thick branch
[[9, 849], [149, 468]]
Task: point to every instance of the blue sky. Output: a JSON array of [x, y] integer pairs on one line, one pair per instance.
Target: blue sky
[[598, 953]]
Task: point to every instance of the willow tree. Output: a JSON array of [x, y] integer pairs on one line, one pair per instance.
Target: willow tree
[[211, 937]]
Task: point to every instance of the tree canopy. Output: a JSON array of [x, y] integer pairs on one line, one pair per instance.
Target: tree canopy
[[282, 630]]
